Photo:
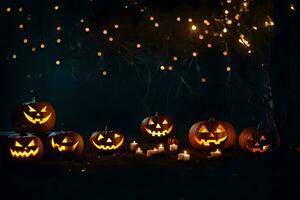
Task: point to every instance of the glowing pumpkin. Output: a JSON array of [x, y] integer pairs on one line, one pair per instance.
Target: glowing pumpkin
[[157, 128], [257, 141], [107, 141], [65, 144], [35, 116], [25, 147], [212, 134]]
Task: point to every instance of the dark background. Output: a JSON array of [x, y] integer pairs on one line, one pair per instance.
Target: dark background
[[86, 101]]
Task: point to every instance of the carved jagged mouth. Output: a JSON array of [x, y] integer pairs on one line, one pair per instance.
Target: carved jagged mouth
[[208, 142], [159, 133], [258, 149], [24, 154], [108, 147], [37, 120], [62, 148]]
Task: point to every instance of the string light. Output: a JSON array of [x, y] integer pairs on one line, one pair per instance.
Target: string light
[[57, 62], [151, 18], [170, 68], [162, 67], [225, 53], [58, 28], [292, 7], [178, 19], [81, 20], [194, 54], [156, 24], [21, 26], [99, 53], [33, 49], [8, 9], [87, 29], [190, 20], [20, 9], [201, 37], [25, 40], [203, 80], [194, 27], [209, 45], [104, 73], [105, 32], [58, 40], [138, 45], [116, 26], [228, 68], [175, 58], [14, 56], [110, 39], [206, 22], [42, 45], [56, 7]]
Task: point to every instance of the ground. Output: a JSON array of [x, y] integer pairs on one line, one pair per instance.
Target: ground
[[234, 175]]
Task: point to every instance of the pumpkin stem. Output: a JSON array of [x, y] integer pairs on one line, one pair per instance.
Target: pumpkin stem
[[33, 96], [62, 127], [106, 129], [211, 119], [156, 114], [259, 125], [23, 131]]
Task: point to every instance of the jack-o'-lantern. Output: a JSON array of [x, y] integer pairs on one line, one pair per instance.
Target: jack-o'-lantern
[[157, 128], [107, 141], [65, 144], [35, 116], [256, 141], [212, 134], [25, 147]]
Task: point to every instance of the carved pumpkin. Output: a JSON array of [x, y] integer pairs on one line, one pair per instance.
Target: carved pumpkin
[[107, 141], [212, 134], [35, 116], [157, 128], [65, 144], [25, 147], [256, 141]]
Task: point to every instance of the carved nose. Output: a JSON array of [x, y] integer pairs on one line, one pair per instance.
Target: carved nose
[[108, 140], [38, 114], [158, 126], [256, 144], [211, 135]]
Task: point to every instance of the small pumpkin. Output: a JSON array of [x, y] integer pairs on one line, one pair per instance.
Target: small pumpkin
[[38, 117], [25, 147], [157, 128], [212, 134], [65, 144], [258, 141], [107, 141]]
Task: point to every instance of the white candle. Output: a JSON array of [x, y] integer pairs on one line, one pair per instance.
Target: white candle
[[152, 151], [184, 156], [139, 151], [133, 146], [216, 153], [161, 148], [173, 147]]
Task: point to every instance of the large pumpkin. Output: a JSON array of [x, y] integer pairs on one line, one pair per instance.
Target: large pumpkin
[[25, 147], [257, 141], [107, 141], [212, 134], [35, 117], [157, 128], [65, 144]]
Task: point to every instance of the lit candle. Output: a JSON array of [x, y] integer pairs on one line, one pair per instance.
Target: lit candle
[[216, 153], [133, 146], [139, 151], [173, 147], [184, 156], [152, 151], [161, 148]]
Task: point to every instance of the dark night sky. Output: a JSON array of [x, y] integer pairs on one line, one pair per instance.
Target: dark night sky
[[86, 100]]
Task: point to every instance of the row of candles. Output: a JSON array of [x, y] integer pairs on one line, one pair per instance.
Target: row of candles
[[134, 146]]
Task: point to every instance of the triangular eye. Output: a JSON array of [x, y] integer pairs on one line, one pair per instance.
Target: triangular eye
[[31, 109], [66, 140], [262, 138], [17, 144], [44, 109], [219, 129], [100, 137], [31, 144], [117, 135], [150, 122], [203, 129], [165, 122]]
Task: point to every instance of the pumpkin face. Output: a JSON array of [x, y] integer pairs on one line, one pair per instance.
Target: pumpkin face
[[28, 147], [156, 128], [66, 143], [35, 117], [106, 141], [212, 134], [256, 141]]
